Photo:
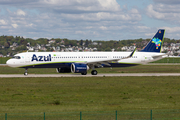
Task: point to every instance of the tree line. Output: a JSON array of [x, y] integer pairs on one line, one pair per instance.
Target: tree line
[[6, 43]]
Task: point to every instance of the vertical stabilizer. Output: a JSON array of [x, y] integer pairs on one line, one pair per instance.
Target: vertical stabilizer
[[155, 43]]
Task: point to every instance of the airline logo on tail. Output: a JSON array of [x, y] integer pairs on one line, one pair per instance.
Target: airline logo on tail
[[157, 42]]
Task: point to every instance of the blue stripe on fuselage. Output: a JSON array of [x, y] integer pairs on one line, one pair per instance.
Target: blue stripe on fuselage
[[68, 65], [50, 65]]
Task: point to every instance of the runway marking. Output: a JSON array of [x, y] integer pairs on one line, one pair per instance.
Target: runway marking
[[88, 75]]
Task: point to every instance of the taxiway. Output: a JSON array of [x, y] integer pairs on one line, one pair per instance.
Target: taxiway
[[88, 75]]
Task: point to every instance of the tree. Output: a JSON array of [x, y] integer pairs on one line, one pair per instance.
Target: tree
[[81, 42], [108, 49], [86, 43], [6, 45], [23, 42]]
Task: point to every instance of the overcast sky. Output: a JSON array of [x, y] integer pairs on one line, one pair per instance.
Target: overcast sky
[[89, 19]]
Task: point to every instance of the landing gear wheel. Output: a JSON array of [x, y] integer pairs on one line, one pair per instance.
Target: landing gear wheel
[[94, 72], [25, 73], [84, 73]]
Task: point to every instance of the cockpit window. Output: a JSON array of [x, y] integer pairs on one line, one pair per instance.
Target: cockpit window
[[16, 57]]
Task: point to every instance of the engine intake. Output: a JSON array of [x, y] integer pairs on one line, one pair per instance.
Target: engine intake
[[79, 68]]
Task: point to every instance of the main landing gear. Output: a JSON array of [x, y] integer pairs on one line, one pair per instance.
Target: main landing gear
[[94, 72], [26, 72], [85, 73]]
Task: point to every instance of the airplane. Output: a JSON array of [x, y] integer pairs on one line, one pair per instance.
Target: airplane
[[81, 62]]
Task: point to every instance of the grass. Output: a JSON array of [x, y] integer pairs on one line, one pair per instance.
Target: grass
[[132, 97], [69, 96], [3, 60], [88, 94]]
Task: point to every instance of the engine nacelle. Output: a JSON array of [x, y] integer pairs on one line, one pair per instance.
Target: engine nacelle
[[63, 70], [79, 68]]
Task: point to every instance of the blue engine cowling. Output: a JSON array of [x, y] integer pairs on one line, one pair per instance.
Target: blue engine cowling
[[79, 68]]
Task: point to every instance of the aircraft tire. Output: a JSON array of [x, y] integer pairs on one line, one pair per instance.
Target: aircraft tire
[[85, 73], [25, 73], [94, 72]]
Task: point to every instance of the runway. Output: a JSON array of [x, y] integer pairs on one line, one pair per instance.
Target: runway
[[88, 75]]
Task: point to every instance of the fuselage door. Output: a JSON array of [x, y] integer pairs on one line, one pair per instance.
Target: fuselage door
[[27, 58]]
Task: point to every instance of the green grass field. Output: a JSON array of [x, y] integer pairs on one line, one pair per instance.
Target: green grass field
[[88, 94], [133, 97], [38, 95], [23, 98], [3, 60]]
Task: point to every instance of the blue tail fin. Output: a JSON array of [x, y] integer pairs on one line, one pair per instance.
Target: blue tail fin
[[156, 42]]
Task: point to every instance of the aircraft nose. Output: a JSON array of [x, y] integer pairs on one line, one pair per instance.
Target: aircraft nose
[[9, 62]]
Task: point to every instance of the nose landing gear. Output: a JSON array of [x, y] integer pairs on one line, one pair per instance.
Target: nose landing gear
[[26, 72]]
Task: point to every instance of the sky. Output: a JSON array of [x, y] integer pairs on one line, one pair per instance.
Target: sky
[[89, 19]]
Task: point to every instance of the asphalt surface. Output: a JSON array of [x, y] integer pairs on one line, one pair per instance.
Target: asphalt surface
[[88, 75]]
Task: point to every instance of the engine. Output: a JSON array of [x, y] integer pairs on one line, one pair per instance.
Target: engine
[[79, 68], [63, 70]]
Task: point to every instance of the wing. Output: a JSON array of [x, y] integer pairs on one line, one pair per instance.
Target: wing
[[107, 61]]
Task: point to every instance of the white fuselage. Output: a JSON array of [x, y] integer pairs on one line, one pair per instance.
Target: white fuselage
[[48, 59]]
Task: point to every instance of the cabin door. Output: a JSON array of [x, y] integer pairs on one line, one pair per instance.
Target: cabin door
[[27, 58]]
